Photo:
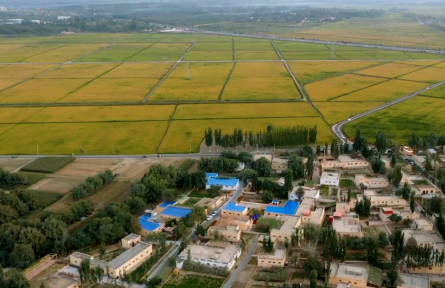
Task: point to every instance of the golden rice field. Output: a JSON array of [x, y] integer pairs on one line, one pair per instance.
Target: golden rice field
[[227, 83]]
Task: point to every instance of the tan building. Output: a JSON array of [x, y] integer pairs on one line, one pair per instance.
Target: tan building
[[414, 281], [371, 182], [386, 212], [129, 260], [346, 226], [423, 224], [211, 204], [279, 165], [275, 259], [387, 201], [356, 276], [258, 156], [243, 222], [231, 233], [308, 213], [64, 282], [286, 230], [422, 237], [345, 162], [233, 209]]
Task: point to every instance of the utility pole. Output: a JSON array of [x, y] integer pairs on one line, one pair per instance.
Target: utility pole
[[37, 149], [188, 77], [112, 146]]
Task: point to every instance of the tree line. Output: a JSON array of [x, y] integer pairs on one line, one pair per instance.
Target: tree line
[[12, 179], [92, 184], [280, 137]]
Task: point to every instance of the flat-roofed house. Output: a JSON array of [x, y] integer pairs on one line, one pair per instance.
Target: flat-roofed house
[[414, 281], [309, 192], [230, 233], [288, 209], [275, 259], [346, 226], [345, 162], [387, 201], [286, 230], [356, 276], [308, 213], [330, 179], [371, 182], [227, 184], [279, 165], [211, 204], [423, 224], [386, 212], [64, 282], [234, 209]]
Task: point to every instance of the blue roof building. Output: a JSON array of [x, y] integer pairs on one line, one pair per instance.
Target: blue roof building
[[147, 225], [234, 209], [166, 203], [176, 212], [211, 175], [227, 184], [289, 209]]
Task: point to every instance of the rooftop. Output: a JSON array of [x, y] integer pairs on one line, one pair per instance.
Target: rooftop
[[259, 156], [222, 181], [422, 222], [330, 175], [166, 203], [370, 192], [146, 224], [278, 254], [236, 221], [216, 252], [232, 206], [288, 209], [128, 255], [414, 281], [306, 204], [64, 282], [205, 202], [422, 237], [289, 223], [347, 271], [211, 175], [279, 160], [176, 211], [132, 236], [345, 225], [347, 158]]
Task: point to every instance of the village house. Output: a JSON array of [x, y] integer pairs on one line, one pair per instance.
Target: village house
[[345, 162], [330, 179], [346, 226], [275, 259], [386, 212], [371, 182]]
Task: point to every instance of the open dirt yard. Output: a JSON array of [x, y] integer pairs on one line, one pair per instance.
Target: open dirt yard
[[115, 192], [88, 167], [134, 169], [13, 164], [59, 184]]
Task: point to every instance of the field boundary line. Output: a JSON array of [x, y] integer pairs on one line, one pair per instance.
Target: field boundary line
[[41, 53], [166, 130], [429, 96], [143, 49], [333, 51], [346, 72], [404, 52], [297, 85], [89, 53], [88, 82], [227, 82], [233, 50], [421, 68], [345, 94], [156, 87]]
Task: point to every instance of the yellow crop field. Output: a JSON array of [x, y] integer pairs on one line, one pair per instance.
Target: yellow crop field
[[113, 90], [334, 112], [184, 134], [92, 138], [422, 62], [161, 52], [5, 127], [40, 90], [333, 87], [23, 71], [66, 53], [260, 70], [386, 91], [24, 52], [202, 70], [253, 46], [194, 89], [113, 53], [80, 71], [139, 70], [306, 71], [390, 70], [436, 92], [230, 111], [260, 89], [213, 46], [209, 55], [4, 47], [440, 64], [256, 55], [102, 113], [428, 75], [5, 83], [17, 115]]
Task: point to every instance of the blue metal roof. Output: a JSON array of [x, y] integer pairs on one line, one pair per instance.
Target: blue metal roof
[[233, 207], [144, 220], [167, 203], [288, 209], [176, 211], [222, 181], [211, 175]]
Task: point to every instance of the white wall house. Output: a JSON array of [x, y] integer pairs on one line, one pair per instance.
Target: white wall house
[[330, 179], [212, 254]]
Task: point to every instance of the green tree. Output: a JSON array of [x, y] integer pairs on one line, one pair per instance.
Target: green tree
[[383, 240], [262, 166], [428, 163], [135, 204], [22, 256], [412, 203], [214, 191], [172, 262], [380, 142], [288, 183], [313, 279], [393, 160], [310, 165], [357, 146], [300, 193], [393, 276], [395, 218], [396, 176], [404, 191], [200, 230], [349, 195], [208, 137], [154, 282], [267, 197], [297, 165], [84, 272]]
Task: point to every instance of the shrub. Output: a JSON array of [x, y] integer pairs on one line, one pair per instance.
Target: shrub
[[92, 184], [272, 274], [48, 164], [266, 224]]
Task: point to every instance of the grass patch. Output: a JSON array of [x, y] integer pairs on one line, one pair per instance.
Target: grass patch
[[324, 190], [44, 198], [199, 194], [186, 164], [345, 183], [48, 164], [189, 203], [188, 281]]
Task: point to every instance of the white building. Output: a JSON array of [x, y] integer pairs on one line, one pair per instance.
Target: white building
[[63, 17], [309, 192], [212, 254], [345, 162], [14, 21], [227, 184], [330, 179]]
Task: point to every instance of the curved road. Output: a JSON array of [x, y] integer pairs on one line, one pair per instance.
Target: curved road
[[337, 128]]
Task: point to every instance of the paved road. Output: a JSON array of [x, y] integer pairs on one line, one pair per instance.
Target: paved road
[[338, 127], [241, 265], [324, 42], [117, 156]]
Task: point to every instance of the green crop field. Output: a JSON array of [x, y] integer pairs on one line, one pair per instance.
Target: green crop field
[[156, 93]]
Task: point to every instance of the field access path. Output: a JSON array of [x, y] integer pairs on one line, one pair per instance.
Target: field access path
[[337, 128]]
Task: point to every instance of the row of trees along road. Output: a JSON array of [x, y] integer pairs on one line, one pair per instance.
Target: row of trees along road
[[271, 137]]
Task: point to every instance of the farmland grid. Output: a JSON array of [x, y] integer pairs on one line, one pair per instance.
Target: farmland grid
[[164, 129]]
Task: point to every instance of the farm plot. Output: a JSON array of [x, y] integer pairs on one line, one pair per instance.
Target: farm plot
[[112, 90], [390, 55], [421, 62], [205, 82], [190, 280], [89, 138], [386, 91], [424, 55], [253, 46], [440, 64], [48, 164], [428, 75], [55, 184], [65, 53], [78, 71], [399, 121], [23, 71], [22, 53], [161, 52], [4, 47], [114, 53], [5, 83], [97, 113], [139, 70], [227, 46], [244, 111], [184, 134], [40, 90], [436, 92], [334, 112], [308, 55], [389, 70], [84, 168], [134, 169], [354, 55], [214, 38], [293, 46], [256, 55], [114, 192], [13, 164], [341, 85], [209, 55], [307, 71]]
